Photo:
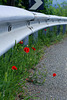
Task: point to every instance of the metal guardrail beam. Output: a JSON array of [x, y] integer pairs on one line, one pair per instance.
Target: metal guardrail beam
[[17, 23]]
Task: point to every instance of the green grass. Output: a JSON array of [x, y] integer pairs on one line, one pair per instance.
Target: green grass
[[10, 79]]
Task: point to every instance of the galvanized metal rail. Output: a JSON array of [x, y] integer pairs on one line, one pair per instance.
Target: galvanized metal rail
[[17, 23]]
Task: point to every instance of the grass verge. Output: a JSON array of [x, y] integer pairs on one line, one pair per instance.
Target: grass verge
[[10, 79]]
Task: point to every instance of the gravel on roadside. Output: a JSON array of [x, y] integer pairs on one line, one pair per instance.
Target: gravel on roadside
[[55, 61]]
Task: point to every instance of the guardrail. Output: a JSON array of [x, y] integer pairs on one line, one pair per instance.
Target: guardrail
[[17, 24]]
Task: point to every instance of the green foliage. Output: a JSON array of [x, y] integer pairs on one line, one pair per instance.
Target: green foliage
[[48, 9]]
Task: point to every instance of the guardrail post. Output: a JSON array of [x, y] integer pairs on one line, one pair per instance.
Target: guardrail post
[[9, 52], [26, 41], [35, 37], [58, 29], [12, 50], [44, 31], [3, 55], [64, 28], [51, 28]]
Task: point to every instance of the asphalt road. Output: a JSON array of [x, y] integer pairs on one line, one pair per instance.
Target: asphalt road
[[55, 60]]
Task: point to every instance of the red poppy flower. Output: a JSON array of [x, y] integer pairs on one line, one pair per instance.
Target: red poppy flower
[[21, 42], [14, 67], [31, 80], [26, 49], [27, 79], [33, 48], [45, 29], [38, 92], [54, 74]]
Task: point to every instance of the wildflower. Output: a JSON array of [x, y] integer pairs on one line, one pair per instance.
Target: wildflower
[[27, 79], [26, 49], [21, 42], [38, 92], [45, 29], [31, 80], [54, 74], [33, 48], [14, 67]]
